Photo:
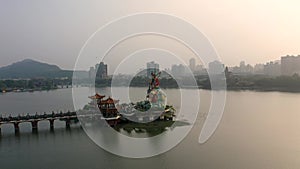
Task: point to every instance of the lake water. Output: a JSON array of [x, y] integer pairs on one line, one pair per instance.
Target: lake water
[[259, 130]]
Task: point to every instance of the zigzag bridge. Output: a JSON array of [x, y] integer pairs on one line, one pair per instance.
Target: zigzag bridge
[[34, 119]]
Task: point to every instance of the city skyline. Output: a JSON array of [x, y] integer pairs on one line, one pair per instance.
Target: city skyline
[[287, 66]]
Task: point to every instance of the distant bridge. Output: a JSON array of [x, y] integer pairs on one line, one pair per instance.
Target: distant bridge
[[34, 119]]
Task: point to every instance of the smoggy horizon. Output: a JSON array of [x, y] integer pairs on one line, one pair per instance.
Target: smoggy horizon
[[55, 31]]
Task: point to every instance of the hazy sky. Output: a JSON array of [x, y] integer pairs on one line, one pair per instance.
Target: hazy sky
[[54, 31]]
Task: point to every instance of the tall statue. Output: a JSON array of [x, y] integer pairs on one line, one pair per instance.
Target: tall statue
[[154, 94], [154, 84]]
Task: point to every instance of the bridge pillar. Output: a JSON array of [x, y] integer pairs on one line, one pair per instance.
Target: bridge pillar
[[34, 125], [68, 123], [0, 129], [16, 125], [51, 121]]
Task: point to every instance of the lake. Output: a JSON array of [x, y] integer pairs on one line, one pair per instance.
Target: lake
[[259, 130]]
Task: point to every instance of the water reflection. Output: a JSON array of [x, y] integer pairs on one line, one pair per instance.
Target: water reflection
[[259, 130]]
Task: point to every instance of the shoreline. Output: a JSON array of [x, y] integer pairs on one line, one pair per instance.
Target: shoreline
[[241, 89]]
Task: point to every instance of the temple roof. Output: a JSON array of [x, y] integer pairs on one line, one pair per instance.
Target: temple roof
[[109, 101], [97, 96]]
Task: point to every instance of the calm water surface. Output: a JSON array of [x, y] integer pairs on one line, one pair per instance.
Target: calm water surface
[[259, 130]]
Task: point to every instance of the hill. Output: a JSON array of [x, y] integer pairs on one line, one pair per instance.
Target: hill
[[32, 69]]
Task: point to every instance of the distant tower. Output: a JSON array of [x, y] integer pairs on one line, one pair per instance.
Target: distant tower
[[290, 65], [101, 70], [216, 67], [242, 64], [193, 64], [92, 73], [227, 72]]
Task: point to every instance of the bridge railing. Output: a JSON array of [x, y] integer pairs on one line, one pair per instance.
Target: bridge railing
[[34, 119], [36, 116]]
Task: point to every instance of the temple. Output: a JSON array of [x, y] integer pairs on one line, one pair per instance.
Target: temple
[[108, 107], [153, 108]]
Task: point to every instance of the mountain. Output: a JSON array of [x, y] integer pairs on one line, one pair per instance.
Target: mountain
[[32, 69]]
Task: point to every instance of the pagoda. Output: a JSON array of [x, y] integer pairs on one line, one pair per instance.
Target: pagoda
[[108, 107]]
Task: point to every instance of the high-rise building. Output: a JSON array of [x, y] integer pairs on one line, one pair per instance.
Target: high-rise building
[[152, 67], [243, 69], [92, 73], [216, 67], [101, 70], [192, 64], [242, 64], [272, 69], [258, 69], [290, 65], [179, 70], [200, 70]]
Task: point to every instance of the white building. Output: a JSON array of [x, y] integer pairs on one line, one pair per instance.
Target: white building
[[216, 67], [290, 65], [272, 69]]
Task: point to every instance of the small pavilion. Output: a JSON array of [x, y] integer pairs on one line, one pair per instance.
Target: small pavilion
[[108, 107]]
